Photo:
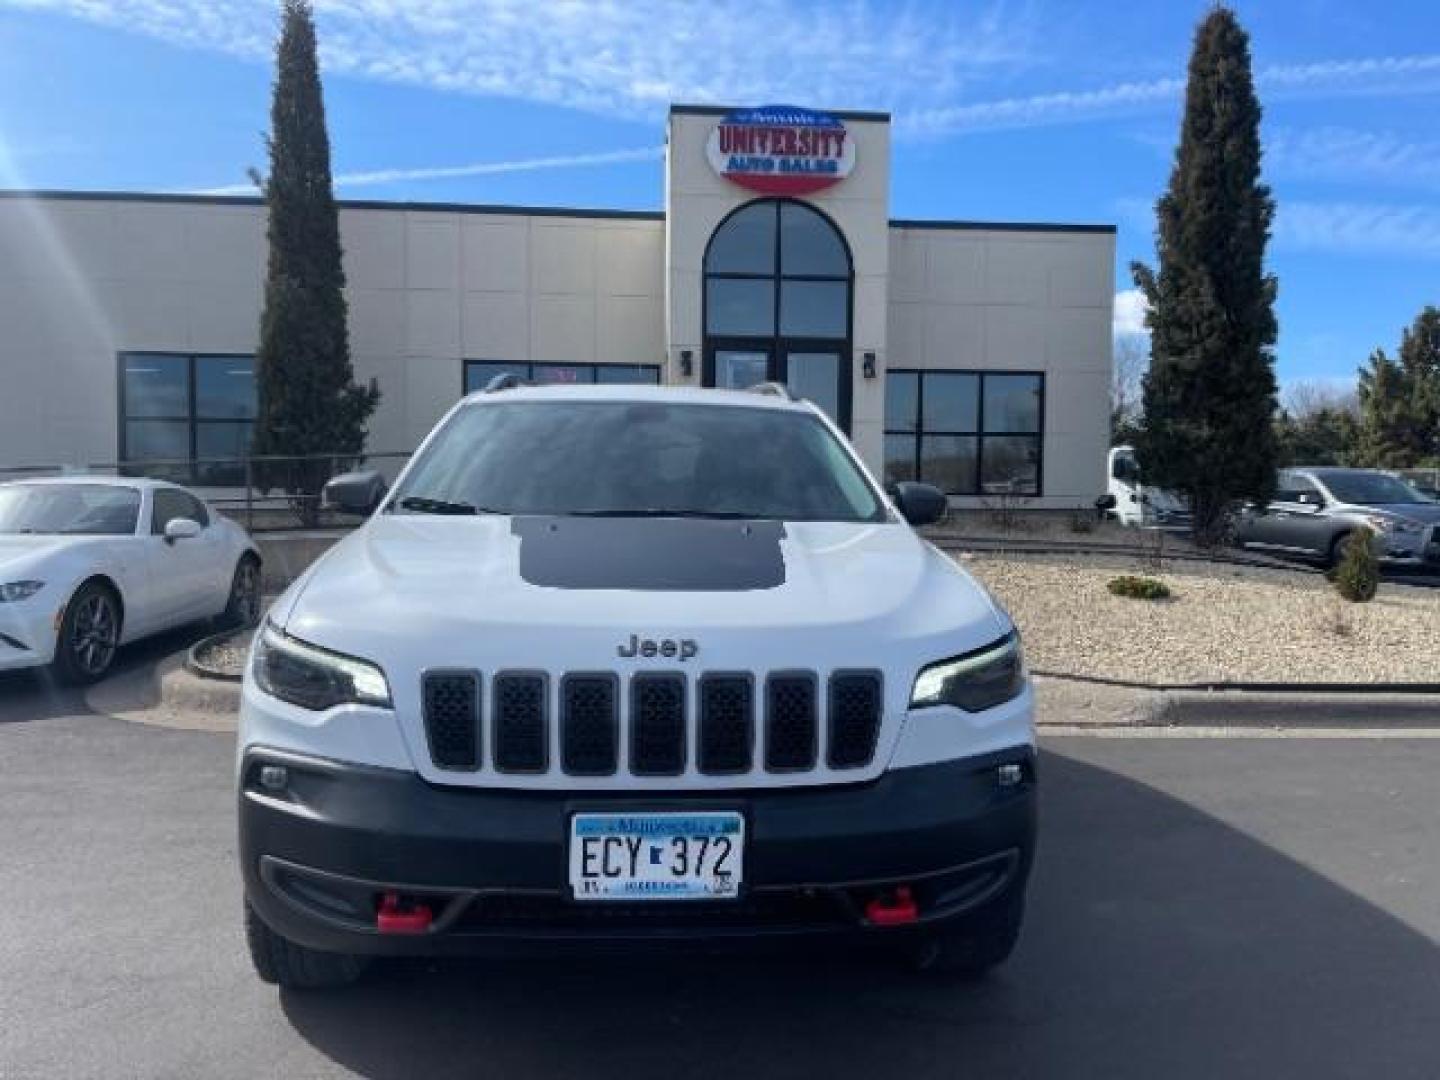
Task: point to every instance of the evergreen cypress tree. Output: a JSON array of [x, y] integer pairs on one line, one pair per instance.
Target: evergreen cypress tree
[[1209, 398], [308, 402], [1400, 399]]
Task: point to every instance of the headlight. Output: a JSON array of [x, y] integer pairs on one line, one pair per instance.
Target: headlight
[[1400, 526], [315, 678], [976, 681], [12, 592]]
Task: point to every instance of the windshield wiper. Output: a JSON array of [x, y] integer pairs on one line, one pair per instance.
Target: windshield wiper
[[421, 504]]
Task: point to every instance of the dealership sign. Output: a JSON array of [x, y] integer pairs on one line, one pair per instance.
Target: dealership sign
[[781, 149]]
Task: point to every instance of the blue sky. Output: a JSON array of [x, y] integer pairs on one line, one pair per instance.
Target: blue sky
[[1050, 110]]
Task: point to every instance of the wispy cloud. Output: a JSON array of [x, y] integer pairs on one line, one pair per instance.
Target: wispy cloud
[[1326, 79], [1349, 154], [625, 58], [483, 168], [1359, 228], [1129, 313], [1401, 231], [629, 58]]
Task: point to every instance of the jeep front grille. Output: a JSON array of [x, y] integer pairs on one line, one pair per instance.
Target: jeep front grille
[[854, 708], [783, 722], [790, 725], [589, 724], [657, 725], [452, 719], [520, 722], [727, 724]]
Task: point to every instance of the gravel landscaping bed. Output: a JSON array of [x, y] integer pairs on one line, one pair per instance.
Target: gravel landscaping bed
[[1222, 623], [225, 655]]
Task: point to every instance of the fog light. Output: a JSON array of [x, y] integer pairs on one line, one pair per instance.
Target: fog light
[[274, 777], [1010, 774]]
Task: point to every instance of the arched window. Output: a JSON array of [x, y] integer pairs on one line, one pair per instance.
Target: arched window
[[777, 285]]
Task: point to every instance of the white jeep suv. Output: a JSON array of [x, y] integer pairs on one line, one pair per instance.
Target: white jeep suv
[[633, 663]]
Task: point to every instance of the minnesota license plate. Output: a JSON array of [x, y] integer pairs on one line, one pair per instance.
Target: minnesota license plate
[[681, 856]]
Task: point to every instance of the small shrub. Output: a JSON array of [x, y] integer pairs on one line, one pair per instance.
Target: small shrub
[[1357, 577], [1139, 588]]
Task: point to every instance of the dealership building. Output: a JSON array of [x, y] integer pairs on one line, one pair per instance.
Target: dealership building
[[973, 355]]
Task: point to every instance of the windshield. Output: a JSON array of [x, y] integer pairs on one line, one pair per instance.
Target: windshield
[[628, 458], [69, 509], [1371, 489]]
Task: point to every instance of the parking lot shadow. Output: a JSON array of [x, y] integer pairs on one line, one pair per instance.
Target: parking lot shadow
[[1160, 942], [34, 694]]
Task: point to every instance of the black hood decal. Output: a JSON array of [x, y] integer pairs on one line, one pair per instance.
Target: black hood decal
[[650, 553]]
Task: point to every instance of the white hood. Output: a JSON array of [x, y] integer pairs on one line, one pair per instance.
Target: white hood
[[413, 592], [24, 554]]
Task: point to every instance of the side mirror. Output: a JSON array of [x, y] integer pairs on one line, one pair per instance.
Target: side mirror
[[1309, 500], [919, 504], [181, 529], [1105, 502], [355, 492]]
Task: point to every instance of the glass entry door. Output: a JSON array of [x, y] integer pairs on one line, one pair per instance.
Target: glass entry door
[[816, 371], [738, 369], [816, 375]]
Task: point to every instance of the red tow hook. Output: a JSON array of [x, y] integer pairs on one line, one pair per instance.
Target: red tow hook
[[894, 910], [392, 918]]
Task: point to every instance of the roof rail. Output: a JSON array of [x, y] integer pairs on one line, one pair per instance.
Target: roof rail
[[773, 389], [506, 381]]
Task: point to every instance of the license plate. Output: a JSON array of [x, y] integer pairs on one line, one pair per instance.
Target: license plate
[[680, 856]]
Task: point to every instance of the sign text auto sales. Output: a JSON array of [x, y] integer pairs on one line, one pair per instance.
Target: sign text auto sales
[[781, 150]]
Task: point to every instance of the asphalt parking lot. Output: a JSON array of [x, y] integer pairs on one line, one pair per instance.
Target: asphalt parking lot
[[1201, 907]]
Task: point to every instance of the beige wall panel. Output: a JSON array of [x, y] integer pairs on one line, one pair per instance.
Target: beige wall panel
[[562, 329], [496, 254], [497, 326]]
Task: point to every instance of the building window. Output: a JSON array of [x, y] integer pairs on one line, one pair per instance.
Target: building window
[[777, 303], [187, 418], [966, 432], [478, 373]]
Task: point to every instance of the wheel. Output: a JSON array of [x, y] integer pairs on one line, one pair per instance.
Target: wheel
[[975, 945], [280, 962], [89, 635], [243, 607], [1336, 551]]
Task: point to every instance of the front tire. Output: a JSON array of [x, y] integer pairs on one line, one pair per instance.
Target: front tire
[[1336, 551], [243, 607], [975, 945], [281, 962], [89, 635]]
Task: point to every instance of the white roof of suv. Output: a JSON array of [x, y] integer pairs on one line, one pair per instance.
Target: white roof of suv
[[643, 392]]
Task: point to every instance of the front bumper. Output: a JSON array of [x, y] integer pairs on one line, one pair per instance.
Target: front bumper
[[27, 634], [317, 855]]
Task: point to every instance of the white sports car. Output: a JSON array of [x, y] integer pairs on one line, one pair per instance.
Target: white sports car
[[88, 564]]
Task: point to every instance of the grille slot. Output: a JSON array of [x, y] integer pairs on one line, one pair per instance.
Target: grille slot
[[727, 723], [451, 702], [589, 724], [519, 722], [855, 706], [790, 723], [657, 725]]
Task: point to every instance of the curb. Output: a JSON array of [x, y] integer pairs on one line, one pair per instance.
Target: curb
[[1004, 547], [1103, 705], [168, 696], [1341, 689], [1236, 708], [201, 670]]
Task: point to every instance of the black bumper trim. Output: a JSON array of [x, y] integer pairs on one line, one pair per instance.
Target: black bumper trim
[[338, 834]]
